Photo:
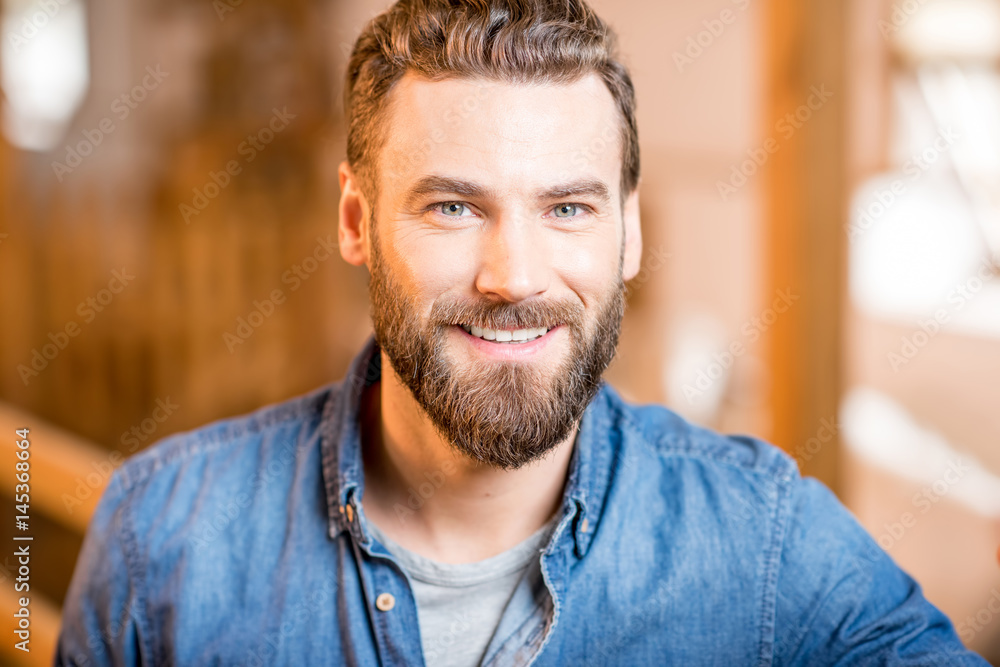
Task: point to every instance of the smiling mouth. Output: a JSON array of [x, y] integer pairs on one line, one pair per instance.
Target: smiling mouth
[[514, 336]]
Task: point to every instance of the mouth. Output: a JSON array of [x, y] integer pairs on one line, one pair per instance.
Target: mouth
[[507, 336]]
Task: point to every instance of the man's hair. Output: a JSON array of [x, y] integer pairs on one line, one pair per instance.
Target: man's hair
[[511, 41]]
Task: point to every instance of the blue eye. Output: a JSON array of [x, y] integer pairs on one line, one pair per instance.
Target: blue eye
[[452, 208], [566, 210]]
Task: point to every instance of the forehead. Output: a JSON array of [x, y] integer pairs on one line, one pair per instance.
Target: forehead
[[505, 135]]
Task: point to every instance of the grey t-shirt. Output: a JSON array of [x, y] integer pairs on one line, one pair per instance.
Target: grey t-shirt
[[460, 605]]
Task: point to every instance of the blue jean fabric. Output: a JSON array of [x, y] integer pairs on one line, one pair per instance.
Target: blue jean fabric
[[245, 542]]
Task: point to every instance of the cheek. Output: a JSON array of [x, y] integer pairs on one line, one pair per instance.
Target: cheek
[[436, 265], [589, 269]]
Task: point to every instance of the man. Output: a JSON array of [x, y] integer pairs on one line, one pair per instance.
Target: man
[[472, 492]]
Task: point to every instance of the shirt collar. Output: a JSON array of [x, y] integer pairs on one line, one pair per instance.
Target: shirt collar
[[590, 467]]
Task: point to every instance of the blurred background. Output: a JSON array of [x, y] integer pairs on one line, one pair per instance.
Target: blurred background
[[821, 215]]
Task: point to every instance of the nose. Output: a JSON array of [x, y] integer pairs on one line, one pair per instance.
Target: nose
[[514, 265]]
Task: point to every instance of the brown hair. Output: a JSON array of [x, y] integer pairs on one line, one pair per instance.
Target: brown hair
[[515, 41]]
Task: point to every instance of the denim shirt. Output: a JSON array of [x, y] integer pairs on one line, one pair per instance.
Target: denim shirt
[[245, 542]]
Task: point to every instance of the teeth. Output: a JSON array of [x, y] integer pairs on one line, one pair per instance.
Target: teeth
[[504, 335]]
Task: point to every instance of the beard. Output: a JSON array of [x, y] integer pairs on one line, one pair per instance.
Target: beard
[[501, 413]]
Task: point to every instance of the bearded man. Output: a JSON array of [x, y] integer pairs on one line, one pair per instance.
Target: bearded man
[[473, 493]]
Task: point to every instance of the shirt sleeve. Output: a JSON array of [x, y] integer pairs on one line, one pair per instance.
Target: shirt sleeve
[[841, 600], [101, 610]]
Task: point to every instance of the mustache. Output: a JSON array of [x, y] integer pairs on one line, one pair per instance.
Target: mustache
[[507, 315]]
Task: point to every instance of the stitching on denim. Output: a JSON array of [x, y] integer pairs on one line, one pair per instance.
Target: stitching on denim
[[773, 479], [227, 432], [674, 443], [772, 562], [130, 550], [599, 472], [554, 591], [330, 456]]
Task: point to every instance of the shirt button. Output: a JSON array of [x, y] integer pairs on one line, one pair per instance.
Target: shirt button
[[385, 602]]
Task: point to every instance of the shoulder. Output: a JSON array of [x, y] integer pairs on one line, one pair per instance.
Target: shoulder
[[270, 426], [656, 435], [176, 510], [698, 488], [231, 477], [185, 482]]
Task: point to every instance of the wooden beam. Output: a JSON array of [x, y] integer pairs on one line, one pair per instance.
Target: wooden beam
[[68, 473], [806, 195]]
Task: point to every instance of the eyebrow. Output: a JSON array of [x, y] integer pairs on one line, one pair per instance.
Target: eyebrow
[[586, 188], [429, 185]]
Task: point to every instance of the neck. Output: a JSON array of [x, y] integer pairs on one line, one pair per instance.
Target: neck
[[437, 502]]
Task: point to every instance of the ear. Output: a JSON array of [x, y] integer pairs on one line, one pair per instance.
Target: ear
[[353, 229], [633, 237]]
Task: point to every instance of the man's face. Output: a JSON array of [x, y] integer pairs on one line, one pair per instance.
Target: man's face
[[496, 254]]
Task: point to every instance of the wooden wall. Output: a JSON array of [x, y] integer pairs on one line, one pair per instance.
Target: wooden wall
[[193, 272], [169, 282]]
